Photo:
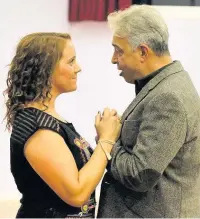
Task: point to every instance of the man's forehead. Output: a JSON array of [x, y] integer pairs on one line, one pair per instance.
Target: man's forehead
[[118, 41]]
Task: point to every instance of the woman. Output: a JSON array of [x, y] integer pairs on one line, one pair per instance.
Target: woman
[[54, 168]]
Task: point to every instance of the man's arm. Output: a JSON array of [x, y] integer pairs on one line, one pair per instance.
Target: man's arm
[[162, 133]]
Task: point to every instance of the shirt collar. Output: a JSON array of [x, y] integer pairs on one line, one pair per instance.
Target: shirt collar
[[140, 83]]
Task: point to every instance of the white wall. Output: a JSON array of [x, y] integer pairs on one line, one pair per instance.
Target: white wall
[[99, 83], [18, 18]]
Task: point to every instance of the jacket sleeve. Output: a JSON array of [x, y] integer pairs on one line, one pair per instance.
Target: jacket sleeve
[[161, 134]]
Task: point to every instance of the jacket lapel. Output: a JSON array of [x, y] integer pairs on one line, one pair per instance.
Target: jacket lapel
[[143, 93], [171, 69]]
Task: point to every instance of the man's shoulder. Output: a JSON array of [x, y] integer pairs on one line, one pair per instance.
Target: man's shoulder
[[178, 84], [179, 87]]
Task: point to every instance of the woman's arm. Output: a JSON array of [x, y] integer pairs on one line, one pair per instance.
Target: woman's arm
[[52, 160]]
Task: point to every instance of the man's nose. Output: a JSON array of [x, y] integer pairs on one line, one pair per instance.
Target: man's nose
[[114, 59]]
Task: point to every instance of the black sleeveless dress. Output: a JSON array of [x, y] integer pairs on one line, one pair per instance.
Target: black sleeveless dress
[[38, 199]]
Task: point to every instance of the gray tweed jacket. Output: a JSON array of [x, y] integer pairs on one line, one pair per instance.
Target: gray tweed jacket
[[155, 166]]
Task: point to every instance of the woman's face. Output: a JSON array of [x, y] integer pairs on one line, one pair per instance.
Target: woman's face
[[64, 79]]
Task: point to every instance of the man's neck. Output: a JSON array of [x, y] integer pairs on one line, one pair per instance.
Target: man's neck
[[156, 63]]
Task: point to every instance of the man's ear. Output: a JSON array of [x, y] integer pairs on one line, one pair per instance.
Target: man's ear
[[144, 50]]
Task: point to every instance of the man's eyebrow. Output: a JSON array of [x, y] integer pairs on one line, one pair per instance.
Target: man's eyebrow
[[116, 46]]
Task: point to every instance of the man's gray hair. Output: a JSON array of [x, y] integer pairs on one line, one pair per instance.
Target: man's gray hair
[[141, 24]]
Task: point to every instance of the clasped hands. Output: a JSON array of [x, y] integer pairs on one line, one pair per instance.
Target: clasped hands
[[108, 125]]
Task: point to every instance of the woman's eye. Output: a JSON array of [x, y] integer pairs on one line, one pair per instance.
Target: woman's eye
[[72, 61]]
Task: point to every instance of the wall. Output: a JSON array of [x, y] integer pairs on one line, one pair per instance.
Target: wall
[[18, 18], [99, 84]]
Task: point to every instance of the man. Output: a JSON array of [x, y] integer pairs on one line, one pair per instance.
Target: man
[[155, 165]]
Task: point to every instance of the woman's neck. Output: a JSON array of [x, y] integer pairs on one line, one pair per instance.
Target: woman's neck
[[48, 105]]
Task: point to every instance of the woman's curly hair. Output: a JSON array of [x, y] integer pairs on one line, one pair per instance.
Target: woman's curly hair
[[29, 76]]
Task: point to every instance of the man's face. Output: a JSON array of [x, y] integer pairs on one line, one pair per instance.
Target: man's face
[[127, 59]]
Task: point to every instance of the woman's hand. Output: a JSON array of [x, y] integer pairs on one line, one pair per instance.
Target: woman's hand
[[108, 125]]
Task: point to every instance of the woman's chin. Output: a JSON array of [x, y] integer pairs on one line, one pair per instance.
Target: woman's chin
[[72, 89]]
